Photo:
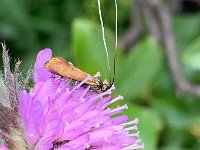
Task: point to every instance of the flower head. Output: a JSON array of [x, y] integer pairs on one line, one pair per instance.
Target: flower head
[[60, 114]]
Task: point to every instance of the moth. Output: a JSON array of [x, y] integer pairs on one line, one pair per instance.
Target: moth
[[61, 67]]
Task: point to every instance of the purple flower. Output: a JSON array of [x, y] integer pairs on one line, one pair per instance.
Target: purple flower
[[3, 147], [57, 114]]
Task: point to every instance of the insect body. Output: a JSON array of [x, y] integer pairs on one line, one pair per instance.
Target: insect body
[[64, 68], [61, 67]]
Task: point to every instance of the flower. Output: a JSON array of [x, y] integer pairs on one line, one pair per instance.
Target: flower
[[60, 114], [3, 147]]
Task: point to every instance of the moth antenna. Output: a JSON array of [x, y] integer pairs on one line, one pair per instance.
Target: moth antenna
[[103, 35], [116, 37], [116, 41]]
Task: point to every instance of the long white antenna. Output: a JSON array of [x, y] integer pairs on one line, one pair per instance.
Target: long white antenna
[[104, 40], [116, 25], [114, 69]]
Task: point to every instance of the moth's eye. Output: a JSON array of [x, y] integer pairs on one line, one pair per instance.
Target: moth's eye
[[104, 87]]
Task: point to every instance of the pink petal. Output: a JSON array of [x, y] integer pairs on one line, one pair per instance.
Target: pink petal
[[40, 73]]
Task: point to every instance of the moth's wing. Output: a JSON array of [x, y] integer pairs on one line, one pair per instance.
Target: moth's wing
[[63, 68], [66, 69]]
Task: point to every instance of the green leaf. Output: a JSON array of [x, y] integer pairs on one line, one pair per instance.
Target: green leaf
[[14, 12], [186, 28], [174, 111], [88, 48], [139, 68], [191, 56], [150, 125]]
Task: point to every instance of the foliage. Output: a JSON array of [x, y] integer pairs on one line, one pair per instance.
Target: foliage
[[71, 28]]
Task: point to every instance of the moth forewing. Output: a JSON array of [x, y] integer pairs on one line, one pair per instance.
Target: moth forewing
[[61, 67]]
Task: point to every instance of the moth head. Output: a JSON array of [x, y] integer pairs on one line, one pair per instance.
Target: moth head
[[102, 87], [105, 86]]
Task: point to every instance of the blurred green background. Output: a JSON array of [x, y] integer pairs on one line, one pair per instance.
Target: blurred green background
[[71, 28]]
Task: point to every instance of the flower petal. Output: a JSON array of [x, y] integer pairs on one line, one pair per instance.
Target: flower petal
[[40, 73], [3, 147]]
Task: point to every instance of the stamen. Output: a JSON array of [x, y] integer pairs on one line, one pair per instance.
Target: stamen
[[131, 128], [133, 146], [112, 101], [81, 83], [84, 92], [119, 108], [67, 90], [116, 99], [134, 134], [57, 78], [59, 90], [113, 87], [98, 74], [138, 140], [135, 121]]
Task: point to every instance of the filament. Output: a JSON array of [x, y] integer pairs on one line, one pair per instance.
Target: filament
[[104, 40], [103, 33]]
